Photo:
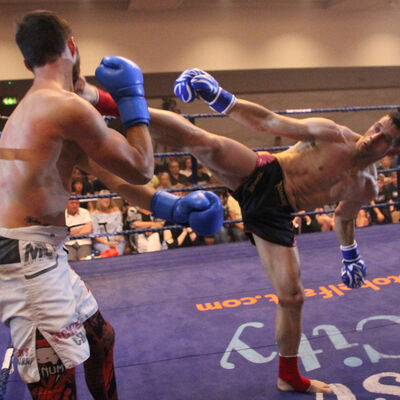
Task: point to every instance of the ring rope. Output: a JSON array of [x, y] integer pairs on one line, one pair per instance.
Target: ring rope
[[187, 189], [305, 111], [228, 221]]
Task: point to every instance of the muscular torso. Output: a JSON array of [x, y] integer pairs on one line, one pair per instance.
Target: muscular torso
[[325, 172], [35, 162]]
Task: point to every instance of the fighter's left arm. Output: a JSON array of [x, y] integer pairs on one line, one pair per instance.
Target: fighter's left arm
[[353, 270], [200, 210]]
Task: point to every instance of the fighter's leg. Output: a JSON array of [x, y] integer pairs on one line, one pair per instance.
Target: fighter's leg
[[99, 368], [56, 382], [229, 161], [282, 266]]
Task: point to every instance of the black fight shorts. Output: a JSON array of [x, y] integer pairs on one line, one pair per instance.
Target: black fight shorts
[[265, 208]]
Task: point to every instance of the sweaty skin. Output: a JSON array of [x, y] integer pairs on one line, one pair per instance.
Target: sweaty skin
[[329, 164], [50, 131]]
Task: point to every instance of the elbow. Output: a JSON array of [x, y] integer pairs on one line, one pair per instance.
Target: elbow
[[143, 171], [146, 175]]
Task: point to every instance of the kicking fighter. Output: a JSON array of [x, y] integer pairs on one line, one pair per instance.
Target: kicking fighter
[[54, 319], [329, 164]]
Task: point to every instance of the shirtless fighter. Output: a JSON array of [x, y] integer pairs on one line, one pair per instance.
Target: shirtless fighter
[[329, 164], [53, 318]]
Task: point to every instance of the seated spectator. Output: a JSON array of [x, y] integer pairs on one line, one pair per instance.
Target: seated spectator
[[237, 229], [203, 177], [228, 232], [98, 186], [107, 218], [362, 219], [181, 237], [79, 223], [174, 174], [187, 171], [381, 215], [386, 162], [394, 197], [306, 223], [139, 218], [155, 182], [77, 173], [325, 221], [78, 187], [165, 181]]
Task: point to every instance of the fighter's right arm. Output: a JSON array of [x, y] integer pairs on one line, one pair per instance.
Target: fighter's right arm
[[194, 83], [130, 158]]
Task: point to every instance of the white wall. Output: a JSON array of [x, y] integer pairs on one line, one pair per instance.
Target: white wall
[[223, 38]]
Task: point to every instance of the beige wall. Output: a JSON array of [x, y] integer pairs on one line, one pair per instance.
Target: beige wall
[[223, 38]]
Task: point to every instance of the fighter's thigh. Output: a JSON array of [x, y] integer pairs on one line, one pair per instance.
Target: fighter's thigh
[[282, 265], [229, 160]]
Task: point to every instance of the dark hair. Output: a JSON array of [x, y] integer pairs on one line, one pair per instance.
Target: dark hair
[[76, 180], [395, 117], [41, 36]]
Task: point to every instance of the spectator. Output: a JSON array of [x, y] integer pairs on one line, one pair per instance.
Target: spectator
[[165, 181], [203, 178], [381, 215], [79, 223], [235, 213], [362, 219], [77, 173], [181, 237], [385, 163], [155, 182], [98, 186], [107, 218], [77, 186], [325, 221], [174, 174], [228, 232], [306, 223], [187, 171], [139, 218], [394, 196]]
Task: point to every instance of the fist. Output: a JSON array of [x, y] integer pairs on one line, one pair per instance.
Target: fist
[[124, 80], [353, 273], [183, 89], [120, 76]]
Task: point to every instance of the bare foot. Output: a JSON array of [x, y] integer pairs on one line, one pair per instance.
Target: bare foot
[[315, 387]]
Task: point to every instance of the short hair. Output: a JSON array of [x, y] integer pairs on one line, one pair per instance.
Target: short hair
[[395, 117], [41, 36]]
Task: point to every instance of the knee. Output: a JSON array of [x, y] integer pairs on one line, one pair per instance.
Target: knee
[[99, 332], [292, 300]]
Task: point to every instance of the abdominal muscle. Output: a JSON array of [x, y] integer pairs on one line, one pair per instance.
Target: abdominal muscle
[[26, 203], [310, 184]]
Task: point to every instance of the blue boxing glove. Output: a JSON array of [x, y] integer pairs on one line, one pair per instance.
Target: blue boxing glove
[[201, 210], [354, 269], [195, 82], [124, 80]]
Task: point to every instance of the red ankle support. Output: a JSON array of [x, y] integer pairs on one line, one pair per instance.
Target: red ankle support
[[289, 372], [106, 104]]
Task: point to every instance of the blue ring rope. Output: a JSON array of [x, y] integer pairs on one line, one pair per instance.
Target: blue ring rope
[[228, 221]]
